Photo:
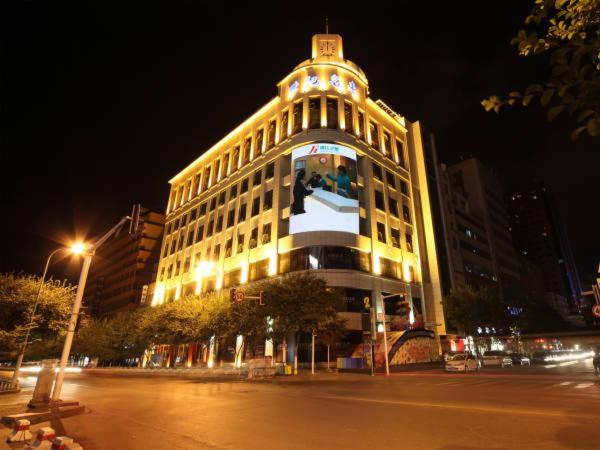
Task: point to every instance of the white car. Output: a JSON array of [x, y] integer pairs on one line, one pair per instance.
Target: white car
[[496, 358], [462, 362]]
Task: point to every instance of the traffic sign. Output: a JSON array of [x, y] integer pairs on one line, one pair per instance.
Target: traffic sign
[[239, 296], [596, 310]]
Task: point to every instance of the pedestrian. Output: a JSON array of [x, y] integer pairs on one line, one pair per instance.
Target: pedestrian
[[300, 192], [343, 181]]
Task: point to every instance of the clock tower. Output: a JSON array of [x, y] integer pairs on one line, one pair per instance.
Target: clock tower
[[327, 46]]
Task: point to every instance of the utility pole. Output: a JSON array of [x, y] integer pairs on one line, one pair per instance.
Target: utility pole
[[314, 333]]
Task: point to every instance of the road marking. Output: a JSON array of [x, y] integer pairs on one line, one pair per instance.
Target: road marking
[[564, 383], [583, 385], [458, 406]]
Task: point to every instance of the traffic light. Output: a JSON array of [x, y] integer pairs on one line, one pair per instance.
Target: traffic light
[[134, 223], [232, 293]]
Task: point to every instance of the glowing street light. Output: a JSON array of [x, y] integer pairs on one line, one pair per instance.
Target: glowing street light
[[75, 249]]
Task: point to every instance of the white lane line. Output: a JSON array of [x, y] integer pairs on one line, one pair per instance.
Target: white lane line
[[564, 383], [583, 385]]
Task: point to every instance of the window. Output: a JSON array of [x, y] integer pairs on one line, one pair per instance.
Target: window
[[404, 187], [246, 151], [218, 170], [268, 202], [213, 204], [206, 180], [255, 206], [233, 192], [257, 178], [240, 243], [409, 242], [258, 142], [374, 134], [271, 134], [200, 233], [266, 233], [222, 198], [381, 232], [377, 173], [406, 213], [162, 274], [387, 145], [400, 152], [173, 245], [235, 158], [244, 186], [170, 271], [177, 223], [190, 239], [193, 213], [379, 203], [242, 213], [297, 116], [332, 113], [314, 112], [219, 224], [390, 179], [389, 268], [228, 248], [285, 118], [225, 165], [361, 125], [324, 257], [230, 218], [392, 206], [253, 238], [259, 269], [348, 116], [180, 242], [186, 265], [165, 250], [202, 210], [217, 253], [196, 184], [209, 230], [270, 171], [395, 237], [177, 267]]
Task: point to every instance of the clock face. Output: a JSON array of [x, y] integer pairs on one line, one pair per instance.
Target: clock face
[[327, 48]]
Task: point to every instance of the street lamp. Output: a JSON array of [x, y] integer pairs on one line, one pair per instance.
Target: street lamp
[[75, 249]]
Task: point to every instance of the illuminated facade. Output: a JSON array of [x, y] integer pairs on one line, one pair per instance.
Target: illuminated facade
[[232, 215]]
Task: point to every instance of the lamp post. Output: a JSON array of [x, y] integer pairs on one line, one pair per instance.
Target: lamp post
[[75, 249]]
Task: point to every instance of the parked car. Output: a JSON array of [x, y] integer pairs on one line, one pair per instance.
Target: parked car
[[463, 362], [496, 358], [520, 359], [449, 355]]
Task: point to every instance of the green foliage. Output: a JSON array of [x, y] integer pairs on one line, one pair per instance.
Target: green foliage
[[17, 299], [567, 33]]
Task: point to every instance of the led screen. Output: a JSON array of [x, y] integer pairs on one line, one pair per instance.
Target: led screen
[[324, 190]]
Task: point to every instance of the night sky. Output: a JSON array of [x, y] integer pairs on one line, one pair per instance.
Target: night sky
[[104, 102]]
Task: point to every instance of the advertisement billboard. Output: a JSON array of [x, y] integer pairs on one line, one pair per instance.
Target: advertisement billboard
[[324, 189]]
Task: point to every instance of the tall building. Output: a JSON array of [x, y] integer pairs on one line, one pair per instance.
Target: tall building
[[479, 248], [237, 214], [124, 267], [540, 237]]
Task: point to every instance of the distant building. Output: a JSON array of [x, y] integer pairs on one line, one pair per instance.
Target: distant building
[[124, 267], [479, 248], [540, 237]]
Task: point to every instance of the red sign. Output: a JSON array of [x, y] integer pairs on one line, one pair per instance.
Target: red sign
[[596, 310], [239, 296]]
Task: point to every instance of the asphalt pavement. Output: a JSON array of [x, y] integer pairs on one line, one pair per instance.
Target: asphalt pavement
[[519, 408]]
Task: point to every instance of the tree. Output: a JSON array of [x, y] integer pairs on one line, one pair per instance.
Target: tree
[[331, 331], [17, 299], [567, 33]]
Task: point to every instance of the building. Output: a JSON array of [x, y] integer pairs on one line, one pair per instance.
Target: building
[[233, 216], [540, 237], [124, 267], [479, 243]]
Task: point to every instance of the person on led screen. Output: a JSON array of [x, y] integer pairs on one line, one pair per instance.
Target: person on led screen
[[342, 180], [300, 192]]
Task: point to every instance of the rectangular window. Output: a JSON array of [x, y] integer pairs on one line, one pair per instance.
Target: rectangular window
[[180, 242], [348, 116], [206, 180], [258, 142], [268, 202], [177, 267], [193, 213], [395, 237], [297, 116], [393, 206], [381, 232], [255, 206], [242, 213], [186, 265], [233, 192], [190, 239], [200, 233], [253, 238], [222, 198], [270, 171], [218, 170], [361, 125], [404, 188], [173, 245], [391, 181], [400, 152], [406, 213], [379, 203], [196, 185], [332, 113], [374, 134], [209, 230], [217, 253], [170, 271], [246, 151], [165, 250], [202, 210], [219, 223], [229, 248], [377, 173], [387, 145], [225, 165], [162, 274], [314, 112], [271, 134], [244, 186], [266, 233], [240, 243], [230, 218], [235, 159], [285, 117], [213, 204], [257, 178], [409, 242]]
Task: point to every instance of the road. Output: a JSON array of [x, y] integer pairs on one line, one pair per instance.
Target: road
[[495, 409]]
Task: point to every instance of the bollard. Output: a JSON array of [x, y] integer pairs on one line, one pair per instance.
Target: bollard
[[43, 439], [61, 442], [20, 431]]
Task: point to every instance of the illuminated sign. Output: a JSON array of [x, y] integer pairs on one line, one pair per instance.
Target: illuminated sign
[[311, 81], [335, 81], [352, 87], [293, 88]]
